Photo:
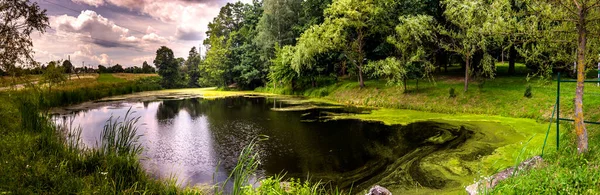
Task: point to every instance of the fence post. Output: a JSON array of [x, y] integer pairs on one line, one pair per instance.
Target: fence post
[[558, 111]]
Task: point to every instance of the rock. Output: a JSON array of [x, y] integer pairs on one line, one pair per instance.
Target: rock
[[490, 182], [378, 190]]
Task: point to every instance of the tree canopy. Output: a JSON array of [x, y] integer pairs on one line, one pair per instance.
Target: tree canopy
[[168, 67], [18, 19]]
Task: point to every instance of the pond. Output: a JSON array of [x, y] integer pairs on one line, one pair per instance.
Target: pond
[[198, 142]]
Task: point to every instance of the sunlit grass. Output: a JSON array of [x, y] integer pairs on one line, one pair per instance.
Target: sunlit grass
[[109, 78]]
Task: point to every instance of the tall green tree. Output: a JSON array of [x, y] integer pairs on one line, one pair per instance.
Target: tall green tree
[[413, 59], [474, 25], [18, 19], [53, 75], [68, 67], [234, 31], [347, 25], [567, 24], [213, 68], [146, 68], [276, 25], [192, 63], [168, 67]]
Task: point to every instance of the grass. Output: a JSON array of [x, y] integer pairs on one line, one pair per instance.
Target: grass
[[501, 100], [109, 78], [41, 158], [6, 81]]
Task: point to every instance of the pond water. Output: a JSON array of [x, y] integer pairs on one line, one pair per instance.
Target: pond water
[[198, 142]]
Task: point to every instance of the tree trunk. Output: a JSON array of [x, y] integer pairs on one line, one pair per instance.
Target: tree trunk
[[361, 57], [417, 84], [405, 84], [580, 130], [360, 77], [467, 61], [512, 55]]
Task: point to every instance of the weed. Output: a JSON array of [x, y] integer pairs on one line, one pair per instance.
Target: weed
[[528, 92], [452, 92]]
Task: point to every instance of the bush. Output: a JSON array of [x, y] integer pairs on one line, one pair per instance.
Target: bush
[[528, 92], [452, 92]]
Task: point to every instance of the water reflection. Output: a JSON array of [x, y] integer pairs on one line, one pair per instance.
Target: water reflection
[[193, 138]]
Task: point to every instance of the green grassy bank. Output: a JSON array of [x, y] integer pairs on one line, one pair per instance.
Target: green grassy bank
[[499, 100], [39, 158]]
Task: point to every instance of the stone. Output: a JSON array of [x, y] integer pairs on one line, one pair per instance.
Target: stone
[[490, 182], [378, 190]]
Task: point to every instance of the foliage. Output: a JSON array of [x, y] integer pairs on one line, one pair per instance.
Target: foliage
[[452, 93], [147, 68], [68, 66], [54, 75], [475, 22], [18, 20], [213, 68], [276, 26], [168, 67], [281, 72], [528, 92], [231, 57], [42, 159], [414, 57], [192, 64], [563, 171], [391, 68], [347, 24], [120, 138]]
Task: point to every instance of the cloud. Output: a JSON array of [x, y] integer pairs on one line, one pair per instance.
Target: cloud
[[98, 29], [190, 16], [154, 38], [86, 53], [101, 31], [140, 60], [95, 3]]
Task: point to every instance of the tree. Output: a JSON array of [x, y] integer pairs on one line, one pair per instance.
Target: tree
[[192, 64], [102, 69], [276, 26], [346, 27], [566, 24], [281, 71], [147, 68], [413, 59], [233, 30], [67, 66], [168, 67], [474, 24], [18, 19], [212, 69], [53, 75], [116, 69]]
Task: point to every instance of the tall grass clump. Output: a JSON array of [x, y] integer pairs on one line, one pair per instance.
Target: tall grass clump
[[245, 168], [120, 137]]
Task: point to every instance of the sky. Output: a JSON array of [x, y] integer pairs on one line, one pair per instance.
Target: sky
[[126, 32]]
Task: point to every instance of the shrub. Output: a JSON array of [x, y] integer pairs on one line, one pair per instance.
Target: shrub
[[528, 92], [452, 92]]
